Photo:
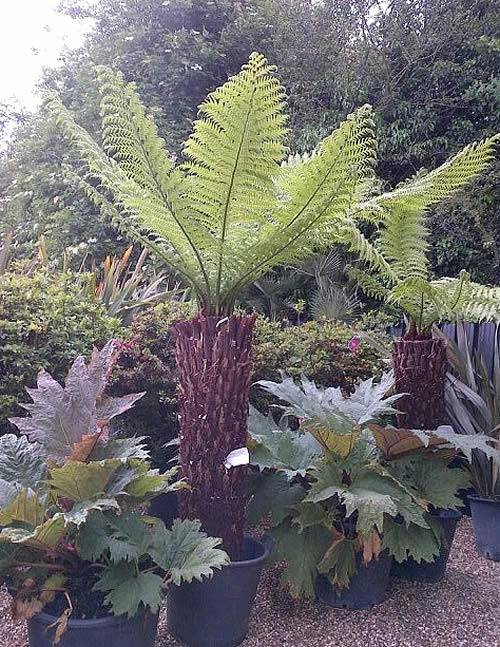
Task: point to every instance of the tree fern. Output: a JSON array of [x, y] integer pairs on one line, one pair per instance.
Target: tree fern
[[232, 210], [396, 264]]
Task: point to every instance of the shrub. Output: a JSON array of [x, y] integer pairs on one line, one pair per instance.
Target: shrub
[[317, 349], [44, 323], [147, 363]]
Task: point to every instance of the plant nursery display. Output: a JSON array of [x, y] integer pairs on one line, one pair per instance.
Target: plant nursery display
[[229, 212], [346, 495], [473, 406], [82, 561]]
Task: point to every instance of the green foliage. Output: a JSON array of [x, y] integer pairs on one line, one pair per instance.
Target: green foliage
[[357, 494], [473, 406], [45, 324], [397, 261], [146, 363], [429, 68], [81, 507], [317, 349], [231, 213]]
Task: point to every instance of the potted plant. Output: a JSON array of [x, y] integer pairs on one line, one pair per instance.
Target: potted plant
[[473, 406], [346, 495], [221, 219], [82, 562], [395, 269]]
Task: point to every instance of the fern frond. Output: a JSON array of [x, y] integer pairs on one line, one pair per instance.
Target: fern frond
[[425, 189], [315, 199], [144, 206], [357, 243], [234, 153], [370, 284], [470, 301]]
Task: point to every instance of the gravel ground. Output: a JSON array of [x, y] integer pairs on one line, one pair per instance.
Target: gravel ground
[[462, 610]]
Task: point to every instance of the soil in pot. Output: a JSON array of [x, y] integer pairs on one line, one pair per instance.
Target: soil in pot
[[366, 589], [486, 521], [215, 612], [111, 631], [91, 623], [431, 571]]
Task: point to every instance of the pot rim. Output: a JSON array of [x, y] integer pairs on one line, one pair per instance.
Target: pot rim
[[89, 623], [485, 499], [255, 561]]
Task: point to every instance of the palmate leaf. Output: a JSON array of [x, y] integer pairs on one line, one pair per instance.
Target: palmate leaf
[[25, 508], [117, 537], [339, 561], [288, 451], [372, 495], [187, 553], [431, 481], [127, 589], [47, 534], [302, 552], [82, 481], [271, 494], [402, 541], [123, 449], [21, 462], [61, 417], [467, 444]]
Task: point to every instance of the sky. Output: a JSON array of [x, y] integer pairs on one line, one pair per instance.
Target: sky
[[32, 34]]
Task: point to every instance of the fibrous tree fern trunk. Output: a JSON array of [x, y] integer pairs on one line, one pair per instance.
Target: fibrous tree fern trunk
[[420, 367], [213, 357]]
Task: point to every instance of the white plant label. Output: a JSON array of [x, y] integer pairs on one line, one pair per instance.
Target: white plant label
[[237, 457]]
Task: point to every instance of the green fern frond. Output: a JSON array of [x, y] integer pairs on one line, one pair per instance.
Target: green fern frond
[[234, 153], [470, 301], [425, 189], [233, 211], [315, 198], [370, 284], [367, 252]]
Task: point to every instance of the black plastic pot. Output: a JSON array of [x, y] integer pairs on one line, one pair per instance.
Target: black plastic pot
[[431, 571], [366, 589], [486, 521], [165, 507], [112, 631], [215, 612]]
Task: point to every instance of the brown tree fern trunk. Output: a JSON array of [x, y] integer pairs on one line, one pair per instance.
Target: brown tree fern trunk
[[213, 358], [420, 367]]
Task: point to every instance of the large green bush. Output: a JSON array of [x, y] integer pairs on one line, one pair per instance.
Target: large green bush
[[147, 363], [44, 323]]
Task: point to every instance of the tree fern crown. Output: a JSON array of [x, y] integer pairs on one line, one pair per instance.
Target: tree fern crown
[[231, 210], [234, 208]]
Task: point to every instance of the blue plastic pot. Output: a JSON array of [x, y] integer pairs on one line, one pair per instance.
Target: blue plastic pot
[[486, 521], [431, 571], [366, 588]]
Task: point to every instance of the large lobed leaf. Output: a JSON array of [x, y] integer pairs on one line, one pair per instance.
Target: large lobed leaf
[[21, 462], [186, 552], [62, 417]]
